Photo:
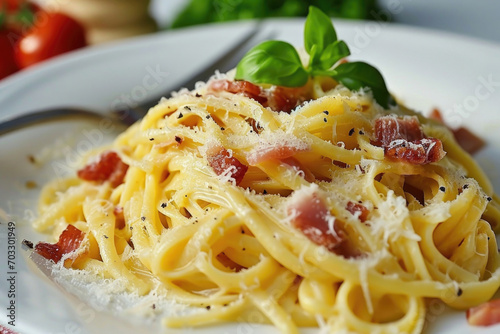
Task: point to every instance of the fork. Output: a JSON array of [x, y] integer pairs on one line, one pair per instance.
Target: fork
[[130, 115]]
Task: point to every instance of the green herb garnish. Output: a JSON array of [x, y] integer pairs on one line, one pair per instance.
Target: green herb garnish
[[278, 63], [205, 11]]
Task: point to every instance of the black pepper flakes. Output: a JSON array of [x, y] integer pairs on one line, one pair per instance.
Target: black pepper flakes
[[180, 115], [351, 132], [325, 120], [151, 139], [361, 132], [443, 189], [163, 205], [489, 199], [459, 292], [28, 244], [222, 128], [197, 95], [153, 306], [208, 117], [326, 112], [178, 139], [264, 192], [208, 307], [105, 236], [143, 218], [466, 186], [187, 108]]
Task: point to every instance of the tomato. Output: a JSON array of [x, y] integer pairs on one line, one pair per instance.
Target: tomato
[[10, 5], [8, 63], [15, 5], [55, 35]]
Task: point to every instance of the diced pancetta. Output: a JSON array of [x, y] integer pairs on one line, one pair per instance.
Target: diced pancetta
[[464, 137], [468, 140], [109, 167], [224, 163], [69, 241], [403, 140], [277, 98], [311, 216]]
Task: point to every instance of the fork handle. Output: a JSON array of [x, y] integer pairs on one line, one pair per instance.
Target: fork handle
[[24, 120]]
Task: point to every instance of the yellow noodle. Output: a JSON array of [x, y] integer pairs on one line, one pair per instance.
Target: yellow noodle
[[231, 249]]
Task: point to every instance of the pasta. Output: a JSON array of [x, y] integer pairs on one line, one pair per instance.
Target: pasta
[[338, 214]]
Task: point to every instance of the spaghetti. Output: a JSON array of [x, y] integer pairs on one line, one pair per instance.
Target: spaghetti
[[338, 213]]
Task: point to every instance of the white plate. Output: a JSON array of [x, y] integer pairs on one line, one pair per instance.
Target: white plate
[[423, 68]]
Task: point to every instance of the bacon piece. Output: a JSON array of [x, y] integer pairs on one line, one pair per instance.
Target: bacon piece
[[355, 208], [223, 162], [286, 99], [274, 152], [109, 167], [404, 140], [311, 217], [436, 115], [69, 241], [486, 314], [464, 137], [468, 140], [244, 87], [419, 152], [391, 128], [277, 98]]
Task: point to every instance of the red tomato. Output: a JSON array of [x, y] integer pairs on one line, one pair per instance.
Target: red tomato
[[11, 5], [55, 35], [15, 5], [8, 63]]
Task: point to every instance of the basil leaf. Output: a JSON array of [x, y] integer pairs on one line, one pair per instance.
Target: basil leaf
[[272, 62], [318, 31], [357, 75], [332, 54]]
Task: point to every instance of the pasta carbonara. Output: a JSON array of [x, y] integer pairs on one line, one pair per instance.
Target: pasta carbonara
[[336, 214]]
